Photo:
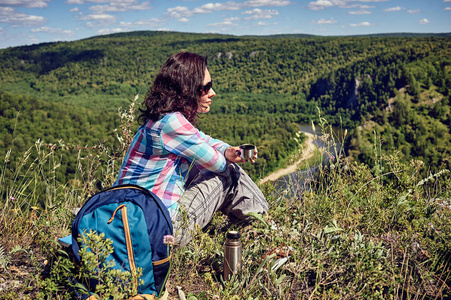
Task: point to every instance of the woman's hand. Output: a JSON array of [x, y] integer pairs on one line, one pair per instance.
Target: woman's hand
[[233, 154]]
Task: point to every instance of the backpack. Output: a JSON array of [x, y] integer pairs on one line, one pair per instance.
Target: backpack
[[136, 221]]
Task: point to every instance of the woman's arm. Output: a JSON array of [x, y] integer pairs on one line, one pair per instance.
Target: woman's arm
[[215, 143], [180, 137]]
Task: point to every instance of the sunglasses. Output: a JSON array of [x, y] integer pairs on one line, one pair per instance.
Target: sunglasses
[[206, 88]]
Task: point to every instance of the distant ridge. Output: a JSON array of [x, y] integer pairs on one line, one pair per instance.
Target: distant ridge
[[220, 36], [396, 34], [153, 33], [401, 34], [283, 36], [149, 33]]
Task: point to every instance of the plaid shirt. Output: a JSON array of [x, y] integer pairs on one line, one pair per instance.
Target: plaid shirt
[[161, 154]]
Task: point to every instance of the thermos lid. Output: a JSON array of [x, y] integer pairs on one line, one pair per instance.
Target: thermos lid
[[233, 235]]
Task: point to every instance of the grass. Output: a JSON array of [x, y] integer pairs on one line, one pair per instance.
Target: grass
[[357, 232], [314, 160]]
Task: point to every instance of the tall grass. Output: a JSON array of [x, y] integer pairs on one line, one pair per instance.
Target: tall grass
[[356, 232]]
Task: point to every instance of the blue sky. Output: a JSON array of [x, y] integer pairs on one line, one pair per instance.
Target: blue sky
[[26, 22]]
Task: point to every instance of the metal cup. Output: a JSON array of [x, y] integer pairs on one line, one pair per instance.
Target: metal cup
[[247, 151]]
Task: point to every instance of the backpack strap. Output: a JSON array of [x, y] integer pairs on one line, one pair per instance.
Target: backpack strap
[[160, 262], [150, 297], [138, 297], [144, 297]]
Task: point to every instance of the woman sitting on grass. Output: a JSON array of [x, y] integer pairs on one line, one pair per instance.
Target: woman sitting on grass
[[187, 169]]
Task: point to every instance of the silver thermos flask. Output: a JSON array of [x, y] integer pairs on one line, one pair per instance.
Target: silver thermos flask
[[232, 254]]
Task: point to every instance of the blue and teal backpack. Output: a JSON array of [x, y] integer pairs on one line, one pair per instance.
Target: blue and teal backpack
[[136, 221]]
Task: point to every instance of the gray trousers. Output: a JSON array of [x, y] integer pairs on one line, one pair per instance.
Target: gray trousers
[[232, 192]]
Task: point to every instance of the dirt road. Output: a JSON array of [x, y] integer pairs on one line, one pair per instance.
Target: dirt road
[[308, 153]]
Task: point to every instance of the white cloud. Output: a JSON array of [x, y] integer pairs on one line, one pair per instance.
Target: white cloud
[[446, 0], [16, 19], [324, 21], [360, 24], [154, 23], [32, 40], [323, 4], [257, 3], [109, 31], [262, 24], [121, 6], [424, 21], [179, 12], [211, 7], [24, 3], [184, 12], [147, 23], [75, 2], [128, 2], [75, 9], [447, 8], [397, 8], [360, 12], [227, 22], [4, 11], [413, 11], [184, 20], [52, 30], [258, 13], [360, 6], [98, 19]]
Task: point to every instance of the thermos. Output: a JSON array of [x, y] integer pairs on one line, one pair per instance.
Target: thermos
[[232, 254]]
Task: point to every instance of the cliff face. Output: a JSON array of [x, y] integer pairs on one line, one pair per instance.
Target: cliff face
[[353, 99], [345, 92], [321, 87]]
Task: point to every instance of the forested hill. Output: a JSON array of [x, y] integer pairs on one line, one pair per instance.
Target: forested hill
[[396, 88]]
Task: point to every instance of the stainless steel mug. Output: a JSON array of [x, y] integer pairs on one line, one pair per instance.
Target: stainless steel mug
[[232, 254], [247, 151]]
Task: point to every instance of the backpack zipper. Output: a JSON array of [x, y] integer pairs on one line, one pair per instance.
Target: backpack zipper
[[128, 241]]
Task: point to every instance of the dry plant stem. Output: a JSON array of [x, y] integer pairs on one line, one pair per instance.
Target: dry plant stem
[[375, 178]]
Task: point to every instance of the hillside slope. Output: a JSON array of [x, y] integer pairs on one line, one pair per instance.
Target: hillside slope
[[264, 85]]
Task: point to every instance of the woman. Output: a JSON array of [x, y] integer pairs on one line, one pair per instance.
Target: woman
[[187, 169]]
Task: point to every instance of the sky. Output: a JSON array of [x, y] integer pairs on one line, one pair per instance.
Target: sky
[[27, 22]]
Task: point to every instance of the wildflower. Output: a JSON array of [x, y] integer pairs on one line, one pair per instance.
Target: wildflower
[[169, 240], [331, 157], [12, 198]]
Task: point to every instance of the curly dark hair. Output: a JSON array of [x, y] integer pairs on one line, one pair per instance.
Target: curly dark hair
[[177, 88]]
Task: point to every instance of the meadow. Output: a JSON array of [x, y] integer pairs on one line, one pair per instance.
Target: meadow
[[373, 222], [356, 232]]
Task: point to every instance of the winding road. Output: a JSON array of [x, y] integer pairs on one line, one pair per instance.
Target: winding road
[[308, 152]]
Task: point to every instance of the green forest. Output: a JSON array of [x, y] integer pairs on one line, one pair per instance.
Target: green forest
[[392, 92], [373, 222]]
